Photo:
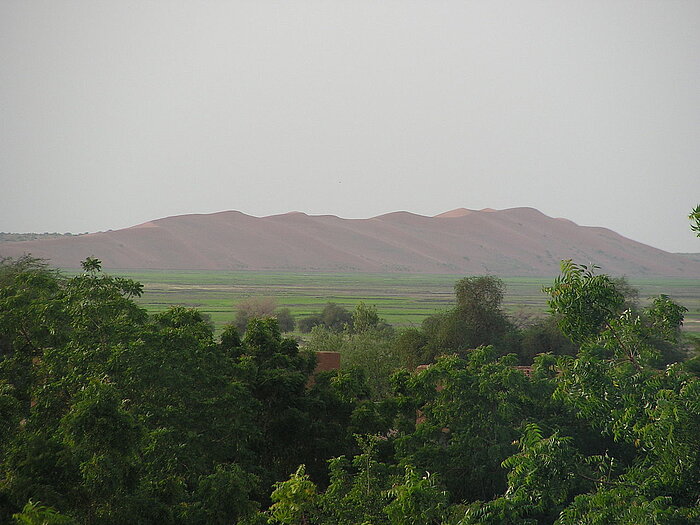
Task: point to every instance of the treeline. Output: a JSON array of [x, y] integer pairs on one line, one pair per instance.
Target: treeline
[[13, 237], [109, 415]]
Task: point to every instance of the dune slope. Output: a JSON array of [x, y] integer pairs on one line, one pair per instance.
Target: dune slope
[[511, 242]]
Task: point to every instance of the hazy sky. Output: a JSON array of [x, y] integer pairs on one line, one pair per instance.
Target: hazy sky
[[113, 113]]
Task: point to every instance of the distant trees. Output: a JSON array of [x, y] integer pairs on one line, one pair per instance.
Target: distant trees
[[333, 317], [477, 319], [479, 310], [365, 344], [364, 317], [261, 307], [544, 337], [285, 319]]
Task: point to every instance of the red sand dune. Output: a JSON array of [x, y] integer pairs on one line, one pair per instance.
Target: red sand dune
[[512, 242]]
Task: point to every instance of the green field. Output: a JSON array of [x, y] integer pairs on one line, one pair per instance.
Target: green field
[[401, 299]]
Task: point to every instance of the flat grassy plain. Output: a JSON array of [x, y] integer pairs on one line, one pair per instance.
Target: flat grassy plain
[[401, 299]]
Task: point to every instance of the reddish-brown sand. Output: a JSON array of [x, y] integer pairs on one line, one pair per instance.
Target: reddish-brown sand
[[512, 242]]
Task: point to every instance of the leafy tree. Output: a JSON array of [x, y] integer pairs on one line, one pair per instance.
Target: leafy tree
[[324, 340], [479, 307], [470, 411], [375, 355], [358, 489], [260, 307], [294, 500], [411, 344], [306, 324], [285, 319], [333, 317], [37, 514], [541, 480], [113, 415], [584, 302], [695, 220], [614, 386], [362, 490], [629, 292], [544, 336], [230, 341], [222, 496], [278, 375], [370, 350], [102, 439], [29, 321], [251, 308], [419, 500], [364, 317], [477, 319]]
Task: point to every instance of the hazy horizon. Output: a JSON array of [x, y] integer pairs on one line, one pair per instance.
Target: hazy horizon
[[117, 113]]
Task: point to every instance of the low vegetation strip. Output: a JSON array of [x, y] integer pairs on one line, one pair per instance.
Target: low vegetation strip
[[401, 299]]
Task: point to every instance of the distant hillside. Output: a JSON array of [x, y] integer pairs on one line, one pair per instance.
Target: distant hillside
[[512, 242]]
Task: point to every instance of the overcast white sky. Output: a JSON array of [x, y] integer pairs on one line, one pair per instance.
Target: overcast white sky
[[113, 113]]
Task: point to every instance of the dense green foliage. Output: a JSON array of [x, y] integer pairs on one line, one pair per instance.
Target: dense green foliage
[[111, 415], [695, 220]]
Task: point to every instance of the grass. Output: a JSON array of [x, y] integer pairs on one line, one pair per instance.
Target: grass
[[401, 299]]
